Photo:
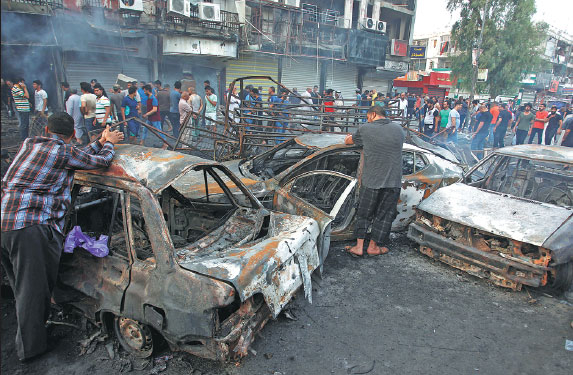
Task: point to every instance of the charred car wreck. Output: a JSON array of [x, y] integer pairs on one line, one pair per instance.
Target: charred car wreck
[[204, 270], [509, 220]]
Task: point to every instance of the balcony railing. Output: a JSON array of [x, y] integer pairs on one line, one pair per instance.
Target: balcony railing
[[229, 21]]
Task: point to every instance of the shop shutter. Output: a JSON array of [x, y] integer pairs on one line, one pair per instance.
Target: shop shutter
[[300, 73], [81, 68], [375, 80], [342, 77], [416, 90], [438, 92], [253, 64]]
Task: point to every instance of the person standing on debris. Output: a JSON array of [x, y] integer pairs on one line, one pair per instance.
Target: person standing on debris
[[129, 110], [500, 128], [174, 98], [539, 124], [163, 99], [524, 123], [381, 141], [152, 115], [210, 108], [73, 105], [35, 196], [21, 96], [88, 106], [480, 135], [555, 121], [453, 123]]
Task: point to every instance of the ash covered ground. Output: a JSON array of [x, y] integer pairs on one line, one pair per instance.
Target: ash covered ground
[[398, 313]]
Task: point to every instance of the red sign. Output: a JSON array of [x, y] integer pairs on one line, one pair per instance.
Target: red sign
[[399, 47], [554, 86]]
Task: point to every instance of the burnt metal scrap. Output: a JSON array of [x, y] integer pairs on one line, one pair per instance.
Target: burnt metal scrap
[[257, 125], [510, 220], [204, 269]]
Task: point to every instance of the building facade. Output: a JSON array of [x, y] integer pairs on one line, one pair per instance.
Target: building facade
[[339, 44]]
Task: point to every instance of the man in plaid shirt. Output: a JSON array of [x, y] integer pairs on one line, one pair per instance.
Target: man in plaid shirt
[[35, 195], [381, 141]]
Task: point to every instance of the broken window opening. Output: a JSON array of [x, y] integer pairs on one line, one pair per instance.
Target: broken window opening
[[277, 160], [139, 231], [98, 211]]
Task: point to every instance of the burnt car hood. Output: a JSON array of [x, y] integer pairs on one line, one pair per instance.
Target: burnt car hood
[[500, 214], [275, 266]]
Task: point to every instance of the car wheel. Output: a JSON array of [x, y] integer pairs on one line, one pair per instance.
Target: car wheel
[[135, 337], [562, 279]]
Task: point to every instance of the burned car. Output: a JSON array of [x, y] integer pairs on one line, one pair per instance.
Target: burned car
[[509, 220], [423, 173], [205, 270]]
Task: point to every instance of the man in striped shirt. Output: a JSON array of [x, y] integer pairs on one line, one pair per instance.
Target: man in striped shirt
[[103, 107], [21, 96], [35, 196]]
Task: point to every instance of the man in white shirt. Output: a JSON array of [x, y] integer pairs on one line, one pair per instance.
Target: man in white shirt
[[40, 99], [73, 105], [454, 123], [403, 105]]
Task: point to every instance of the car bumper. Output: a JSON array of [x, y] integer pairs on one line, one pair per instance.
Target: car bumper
[[501, 271]]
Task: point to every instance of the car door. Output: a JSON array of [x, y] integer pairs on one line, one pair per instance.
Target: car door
[[322, 195], [418, 182], [97, 210]]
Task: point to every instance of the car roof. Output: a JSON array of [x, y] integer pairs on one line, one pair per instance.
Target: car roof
[[320, 141], [539, 152], [154, 168]]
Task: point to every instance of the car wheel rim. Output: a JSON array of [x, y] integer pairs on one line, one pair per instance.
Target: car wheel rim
[[135, 337]]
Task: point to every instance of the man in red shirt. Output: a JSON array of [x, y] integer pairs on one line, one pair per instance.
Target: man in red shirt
[[539, 124]]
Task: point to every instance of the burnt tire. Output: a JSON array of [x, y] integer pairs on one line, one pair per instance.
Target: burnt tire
[[135, 337], [562, 280]]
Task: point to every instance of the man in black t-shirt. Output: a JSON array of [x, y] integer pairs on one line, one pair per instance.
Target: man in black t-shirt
[[554, 124], [568, 129], [478, 141], [500, 128]]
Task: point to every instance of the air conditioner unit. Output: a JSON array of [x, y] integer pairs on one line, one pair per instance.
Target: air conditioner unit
[[182, 7], [381, 26], [210, 12], [292, 3], [368, 23], [135, 5]]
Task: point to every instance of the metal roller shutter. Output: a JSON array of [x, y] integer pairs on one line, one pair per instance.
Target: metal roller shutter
[[253, 64], [437, 92], [301, 74], [342, 77], [374, 80], [80, 68]]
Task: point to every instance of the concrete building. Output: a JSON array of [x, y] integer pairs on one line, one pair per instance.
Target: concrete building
[[339, 44], [438, 52]]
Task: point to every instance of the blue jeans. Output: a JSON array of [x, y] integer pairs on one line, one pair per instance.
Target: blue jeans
[[174, 118], [538, 132], [478, 143], [453, 137], [155, 124], [23, 124], [520, 136]]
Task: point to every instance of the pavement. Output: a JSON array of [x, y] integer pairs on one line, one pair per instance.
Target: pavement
[[397, 313]]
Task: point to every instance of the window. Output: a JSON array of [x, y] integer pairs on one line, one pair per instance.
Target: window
[[481, 171], [407, 163], [139, 230], [279, 159], [320, 189], [420, 162], [345, 162], [99, 211]]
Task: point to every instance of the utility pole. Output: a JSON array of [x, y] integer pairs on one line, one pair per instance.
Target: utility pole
[[478, 52]]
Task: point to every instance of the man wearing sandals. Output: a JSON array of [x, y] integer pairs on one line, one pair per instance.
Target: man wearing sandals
[[381, 141]]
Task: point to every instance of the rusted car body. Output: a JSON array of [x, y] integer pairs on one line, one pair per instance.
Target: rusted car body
[[423, 173], [205, 270], [509, 220]]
